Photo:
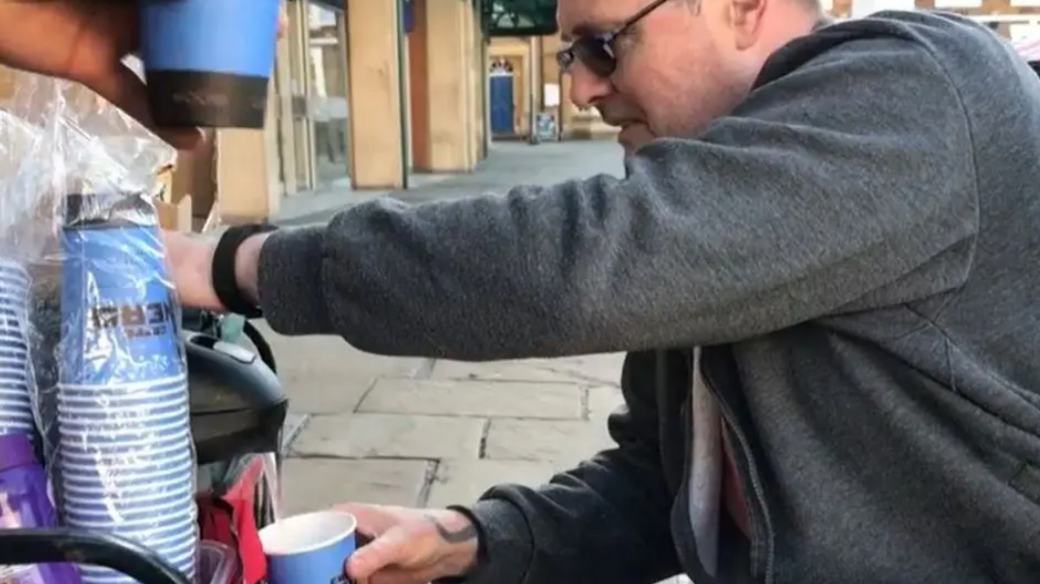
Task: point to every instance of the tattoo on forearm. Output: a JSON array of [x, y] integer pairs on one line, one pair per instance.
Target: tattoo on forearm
[[454, 536]]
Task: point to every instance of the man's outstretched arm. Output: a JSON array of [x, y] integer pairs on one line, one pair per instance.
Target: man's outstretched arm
[[815, 195]]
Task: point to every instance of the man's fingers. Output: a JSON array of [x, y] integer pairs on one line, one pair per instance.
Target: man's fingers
[[385, 550], [371, 519], [123, 88]]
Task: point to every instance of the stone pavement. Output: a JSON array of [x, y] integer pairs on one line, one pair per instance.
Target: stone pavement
[[507, 164], [420, 432]]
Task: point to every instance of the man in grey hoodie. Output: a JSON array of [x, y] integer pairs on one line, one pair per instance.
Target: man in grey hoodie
[[823, 263]]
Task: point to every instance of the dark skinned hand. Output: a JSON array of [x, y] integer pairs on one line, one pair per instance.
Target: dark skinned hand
[[85, 41]]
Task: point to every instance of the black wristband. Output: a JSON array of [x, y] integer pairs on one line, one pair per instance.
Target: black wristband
[[222, 274]]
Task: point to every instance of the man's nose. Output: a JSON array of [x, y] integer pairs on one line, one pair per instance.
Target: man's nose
[[587, 88]]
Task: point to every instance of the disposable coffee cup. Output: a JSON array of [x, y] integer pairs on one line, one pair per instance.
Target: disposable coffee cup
[[128, 515], [129, 502], [111, 396], [81, 472], [130, 415], [145, 441], [208, 62], [309, 549], [83, 479]]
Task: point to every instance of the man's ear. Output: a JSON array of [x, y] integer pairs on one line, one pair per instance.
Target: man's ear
[[746, 17]]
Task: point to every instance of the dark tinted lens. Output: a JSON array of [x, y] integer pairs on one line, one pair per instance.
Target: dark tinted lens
[[595, 54], [565, 59]]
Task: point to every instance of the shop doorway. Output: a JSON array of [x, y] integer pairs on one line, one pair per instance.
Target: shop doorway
[[500, 81]]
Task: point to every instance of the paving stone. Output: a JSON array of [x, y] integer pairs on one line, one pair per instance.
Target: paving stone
[[475, 398], [310, 484], [602, 401], [460, 482], [324, 374], [390, 436], [562, 442], [590, 369], [294, 422]]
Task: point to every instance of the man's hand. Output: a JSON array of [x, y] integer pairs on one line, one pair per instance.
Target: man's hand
[[410, 546], [190, 261], [84, 41]]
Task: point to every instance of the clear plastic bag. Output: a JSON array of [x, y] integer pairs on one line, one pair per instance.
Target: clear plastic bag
[[89, 326]]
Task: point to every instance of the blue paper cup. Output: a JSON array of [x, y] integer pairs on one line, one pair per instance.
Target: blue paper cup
[[115, 524], [17, 423], [127, 461], [119, 321], [179, 551], [79, 421], [144, 440], [9, 365], [208, 62], [130, 414], [141, 452], [128, 439], [309, 549], [98, 487], [154, 510], [11, 351], [164, 528], [82, 472], [130, 464], [75, 496], [116, 388], [131, 395], [13, 340], [16, 407], [15, 392], [130, 518], [13, 277]]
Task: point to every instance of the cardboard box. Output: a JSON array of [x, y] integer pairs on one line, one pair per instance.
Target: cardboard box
[[175, 217], [174, 211]]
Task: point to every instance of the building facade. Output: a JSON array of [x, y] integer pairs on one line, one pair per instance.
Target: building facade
[[366, 94]]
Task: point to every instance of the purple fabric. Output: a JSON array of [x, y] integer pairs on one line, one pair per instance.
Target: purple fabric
[[24, 503]]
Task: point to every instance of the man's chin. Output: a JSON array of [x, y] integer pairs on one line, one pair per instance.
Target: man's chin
[[633, 137]]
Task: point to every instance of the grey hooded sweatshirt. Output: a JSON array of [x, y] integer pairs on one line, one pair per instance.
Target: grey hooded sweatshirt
[[856, 251]]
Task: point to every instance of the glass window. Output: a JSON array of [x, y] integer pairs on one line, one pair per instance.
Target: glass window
[[328, 107]]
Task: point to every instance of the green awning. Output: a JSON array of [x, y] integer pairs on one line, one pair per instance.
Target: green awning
[[519, 17]]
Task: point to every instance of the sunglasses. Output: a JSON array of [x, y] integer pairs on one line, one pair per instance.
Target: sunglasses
[[596, 51]]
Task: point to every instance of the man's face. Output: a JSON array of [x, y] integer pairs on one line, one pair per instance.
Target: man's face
[[677, 68]]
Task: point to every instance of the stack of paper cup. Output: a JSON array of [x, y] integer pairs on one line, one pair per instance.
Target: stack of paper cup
[[126, 468], [16, 414], [124, 430]]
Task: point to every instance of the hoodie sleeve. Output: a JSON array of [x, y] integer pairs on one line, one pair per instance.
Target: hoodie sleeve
[[815, 194]]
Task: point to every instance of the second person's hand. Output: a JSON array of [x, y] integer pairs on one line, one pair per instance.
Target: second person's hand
[[411, 546], [85, 41]]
